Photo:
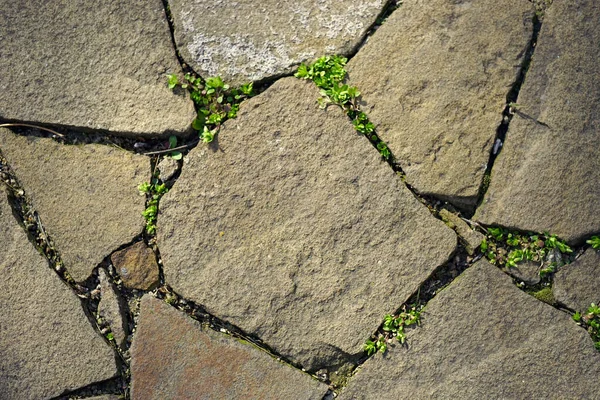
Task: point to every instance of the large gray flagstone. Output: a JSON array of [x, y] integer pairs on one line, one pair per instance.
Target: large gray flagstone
[[86, 196], [293, 229], [547, 177], [483, 338], [434, 80], [96, 65], [248, 40], [47, 344]]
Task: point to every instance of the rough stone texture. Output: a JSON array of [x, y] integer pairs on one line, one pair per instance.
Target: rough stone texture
[[527, 271], [111, 308], [245, 40], [434, 80], [167, 167], [137, 267], [547, 177], [470, 237], [577, 285], [173, 357], [482, 338], [86, 196], [84, 65], [103, 397], [295, 231], [47, 344]]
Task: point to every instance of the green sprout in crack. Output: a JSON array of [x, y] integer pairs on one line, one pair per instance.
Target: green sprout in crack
[[590, 320], [506, 248], [215, 100], [393, 326], [594, 241], [154, 190], [328, 73]]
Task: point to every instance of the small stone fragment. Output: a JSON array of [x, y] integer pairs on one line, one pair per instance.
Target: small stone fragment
[[100, 65], [470, 237], [47, 344], [174, 357], [577, 285], [434, 80], [86, 196], [137, 266], [527, 272], [247, 40], [167, 167], [111, 308], [295, 231], [547, 177], [483, 338]]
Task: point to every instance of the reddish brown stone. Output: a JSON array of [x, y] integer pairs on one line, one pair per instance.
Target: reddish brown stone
[[173, 357], [137, 266]]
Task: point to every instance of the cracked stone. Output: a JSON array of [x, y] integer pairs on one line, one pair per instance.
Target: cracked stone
[[434, 80], [470, 237], [86, 196], [294, 229], [111, 308], [248, 41], [137, 266], [173, 357], [482, 338], [577, 285], [47, 344], [546, 179], [97, 66]]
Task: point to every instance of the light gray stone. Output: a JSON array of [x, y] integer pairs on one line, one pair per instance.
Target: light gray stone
[[47, 344], [482, 338], [577, 285], [547, 177], [526, 271], [86, 196], [248, 40], [173, 357], [111, 308], [167, 167], [292, 228], [96, 65], [470, 237], [434, 80]]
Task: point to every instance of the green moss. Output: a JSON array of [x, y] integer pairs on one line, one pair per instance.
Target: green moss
[[545, 295]]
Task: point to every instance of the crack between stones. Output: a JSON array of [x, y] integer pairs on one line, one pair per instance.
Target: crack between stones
[[108, 386], [509, 111], [31, 223]]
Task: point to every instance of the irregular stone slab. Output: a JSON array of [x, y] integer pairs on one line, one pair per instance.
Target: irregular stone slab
[[470, 237], [100, 66], [526, 271], [295, 230], [547, 177], [482, 338], [577, 285], [246, 41], [111, 308], [435, 84], [104, 397], [137, 266], [47, 344], [167, 168], [173, 357], [86, 196]]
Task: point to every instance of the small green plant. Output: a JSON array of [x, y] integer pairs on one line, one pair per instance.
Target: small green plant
[[393, 326], [590, 319], [175, 155], [154, 190], [507, 248], [328, 73], [216, 102], [594, 241]]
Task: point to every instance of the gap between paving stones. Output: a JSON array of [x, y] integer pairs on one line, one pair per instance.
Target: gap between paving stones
[[510, 109]]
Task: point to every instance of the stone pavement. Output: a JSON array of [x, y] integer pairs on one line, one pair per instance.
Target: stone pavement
[[259, 265]]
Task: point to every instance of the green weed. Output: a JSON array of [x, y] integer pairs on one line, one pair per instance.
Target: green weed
[[216, 102], [393, 326], [154, 190], [590, 319], [328, 73], [594, 241]]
